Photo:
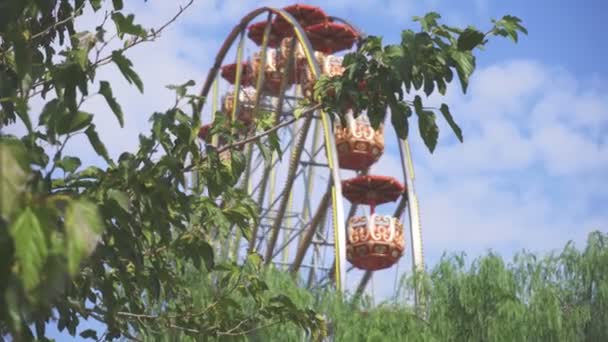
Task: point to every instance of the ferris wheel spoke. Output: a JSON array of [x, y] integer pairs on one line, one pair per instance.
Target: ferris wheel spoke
[[276, 200], [294, 231], [313, 270], [260, 157], [310, 231], [289, 237], [274, 162], [293, 166]]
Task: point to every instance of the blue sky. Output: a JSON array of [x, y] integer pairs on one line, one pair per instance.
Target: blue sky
[[532, 172]]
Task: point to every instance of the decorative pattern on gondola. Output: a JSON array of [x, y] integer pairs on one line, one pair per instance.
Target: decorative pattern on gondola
[[332, 65], [246, 105], [274, 69], [359, 145], [374, 242]]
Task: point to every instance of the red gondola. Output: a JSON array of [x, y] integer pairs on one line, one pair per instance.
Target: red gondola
[[285, 47], [246, 105], [376, 241], [332, 66], [331, 37], [359, 145], [274, 68], [229, 73], [256, 34]]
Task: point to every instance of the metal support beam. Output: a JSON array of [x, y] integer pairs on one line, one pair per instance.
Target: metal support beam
[[310, 232], [293, 167], [415, 229], [311, 163]]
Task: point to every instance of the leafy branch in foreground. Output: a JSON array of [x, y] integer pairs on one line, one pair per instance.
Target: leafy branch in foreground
[[380, 78]]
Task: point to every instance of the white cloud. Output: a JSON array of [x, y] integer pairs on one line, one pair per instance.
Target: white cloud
[[528, 173]]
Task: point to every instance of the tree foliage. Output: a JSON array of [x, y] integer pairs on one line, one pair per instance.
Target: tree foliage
[[393, 77], [120, 243], [562, 296]]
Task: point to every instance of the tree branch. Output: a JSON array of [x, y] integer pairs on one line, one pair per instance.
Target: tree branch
[[232, 332], [258, 136], [149, 37], [61, 22], [107, 59]]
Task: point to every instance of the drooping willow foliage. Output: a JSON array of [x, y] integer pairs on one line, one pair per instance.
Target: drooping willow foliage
[[562, 296]]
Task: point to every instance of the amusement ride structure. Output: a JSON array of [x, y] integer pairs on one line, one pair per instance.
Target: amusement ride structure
[[303, 193]]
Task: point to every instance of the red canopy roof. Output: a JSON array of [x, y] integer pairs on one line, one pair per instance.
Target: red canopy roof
[[372, 190], [331, 37], [256, 33], [305, 15], [229, 73]]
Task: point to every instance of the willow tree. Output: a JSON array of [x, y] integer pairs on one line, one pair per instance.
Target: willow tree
[[115, 244], [561, 296]]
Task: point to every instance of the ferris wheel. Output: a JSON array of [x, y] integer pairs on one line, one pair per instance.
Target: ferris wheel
[[317, 199]]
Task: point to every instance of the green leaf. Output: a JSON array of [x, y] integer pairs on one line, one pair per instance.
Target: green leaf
[[180, 90], [125, 25], [96, 4], [90, 172], [30, 248], [106, 91], [429, 84], [298, 112], [400, 112], [428, 21], [13, 177], [98, 146], [117, 4], [445, 110], [508, 26], [441, 86], [80, 56], [51, 115], [83, 227], [74, 122], [264, 150], [126, 68], [69, 164], [23, 114], [206, 253], [119, 197], [393, 51], [275, 143], [465, 65], [23, 56], [48, 111], [89, 333], [426, 125], [469, 39]]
